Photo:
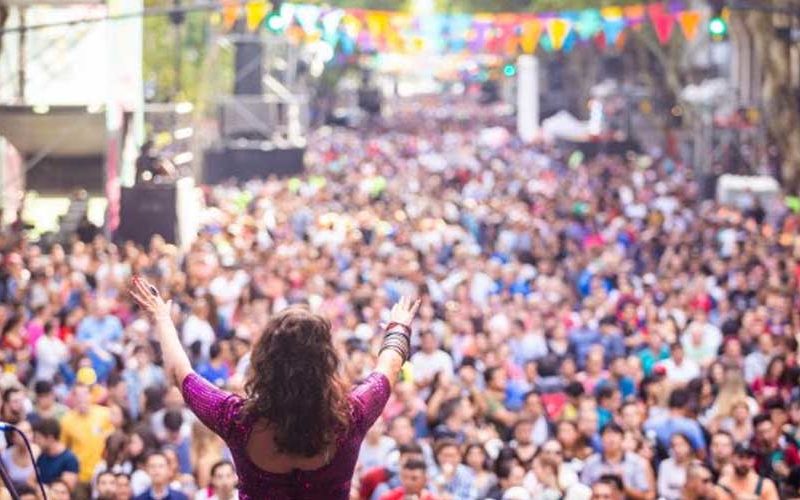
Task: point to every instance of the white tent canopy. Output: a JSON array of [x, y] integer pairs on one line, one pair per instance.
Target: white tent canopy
[[563, 125]]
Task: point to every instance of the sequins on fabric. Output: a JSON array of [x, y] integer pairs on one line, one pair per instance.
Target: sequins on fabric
[[221, 412]]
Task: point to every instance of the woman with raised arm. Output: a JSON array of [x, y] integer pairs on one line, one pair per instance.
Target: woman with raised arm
[[297, 433]]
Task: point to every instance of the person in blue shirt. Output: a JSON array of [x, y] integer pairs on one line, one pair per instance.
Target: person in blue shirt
[[157, 468], [56, 462], [215, 370], [100, 334], [677, 421]]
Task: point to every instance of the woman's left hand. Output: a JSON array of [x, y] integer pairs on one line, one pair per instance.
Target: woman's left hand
[[148, 298]]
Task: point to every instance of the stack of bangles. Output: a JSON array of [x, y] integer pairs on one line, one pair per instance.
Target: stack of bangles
[[397, 339]]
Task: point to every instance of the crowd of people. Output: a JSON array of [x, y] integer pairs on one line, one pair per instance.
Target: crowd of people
[[588, 329]]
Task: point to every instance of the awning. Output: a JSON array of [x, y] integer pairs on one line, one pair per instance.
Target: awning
[[56, 131]]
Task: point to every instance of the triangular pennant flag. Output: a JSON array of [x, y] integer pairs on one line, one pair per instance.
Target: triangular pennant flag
[[600, 40], [611, 12], [351, 25], [331, 20], [481, 29], [377, 22], [558, 29], [634, 14], [307, 16], [663, 24], [230, 13], [569, 42], [621, 39], [689, 21], [546, 43], [255, 11], [656, 9], [348, 44], [612, 28], [588, 24], [287, 14], [531, 33]]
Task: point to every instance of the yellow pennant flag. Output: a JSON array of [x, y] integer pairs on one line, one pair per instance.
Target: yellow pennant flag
[[531, 33], [255, 12], [230, 13], [558, 29], [611, 12]]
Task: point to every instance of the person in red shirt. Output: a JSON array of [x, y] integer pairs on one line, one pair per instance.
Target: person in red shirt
[[413, 479]]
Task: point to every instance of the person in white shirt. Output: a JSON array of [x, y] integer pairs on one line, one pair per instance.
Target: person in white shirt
[[223, 483], [197, 328], [677, 368], [50, 353], [429, 361]]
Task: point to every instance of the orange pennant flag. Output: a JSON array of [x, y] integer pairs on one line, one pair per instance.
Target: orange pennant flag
[[634, 13], [531, 33], [689, 21], [558, 29], [255, 11], [230, 13]]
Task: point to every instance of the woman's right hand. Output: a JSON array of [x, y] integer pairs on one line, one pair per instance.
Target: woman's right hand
[[148, 298], [404, 311]]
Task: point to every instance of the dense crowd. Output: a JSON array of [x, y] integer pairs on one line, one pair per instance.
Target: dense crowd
[[588, 329]]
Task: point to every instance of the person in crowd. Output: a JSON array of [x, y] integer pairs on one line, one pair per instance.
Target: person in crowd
[[672, 472], [223, 483], [635, 472], [157, 468], [87, 446], [743, 482], [105, 486], [413, 481], [17, 460], [56, 462]]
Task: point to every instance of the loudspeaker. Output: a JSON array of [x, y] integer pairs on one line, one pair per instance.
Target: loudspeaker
[[244, 163], [169, 210], [370, 100], [249, 67]]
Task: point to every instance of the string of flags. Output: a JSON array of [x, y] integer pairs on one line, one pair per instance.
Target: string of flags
[[498, 33]]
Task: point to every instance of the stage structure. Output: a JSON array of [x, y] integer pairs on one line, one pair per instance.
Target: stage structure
[[263, 124], [71, 97]]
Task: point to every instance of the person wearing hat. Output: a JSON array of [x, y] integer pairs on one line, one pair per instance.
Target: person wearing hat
[[742, 481]]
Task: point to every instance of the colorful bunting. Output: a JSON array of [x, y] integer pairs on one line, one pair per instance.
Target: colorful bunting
[[558, 29], [504, 34], [255, 11], [689, 21]]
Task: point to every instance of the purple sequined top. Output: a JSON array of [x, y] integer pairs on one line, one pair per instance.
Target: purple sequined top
[[221, 411]]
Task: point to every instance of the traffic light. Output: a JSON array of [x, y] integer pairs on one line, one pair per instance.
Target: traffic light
[[717, 27], [275, 22], [509, 70]]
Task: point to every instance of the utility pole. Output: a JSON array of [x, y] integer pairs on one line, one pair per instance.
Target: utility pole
[[21, 57], [177, 17]]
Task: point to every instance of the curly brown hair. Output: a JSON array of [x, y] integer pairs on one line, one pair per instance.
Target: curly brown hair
[[293, 384]]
